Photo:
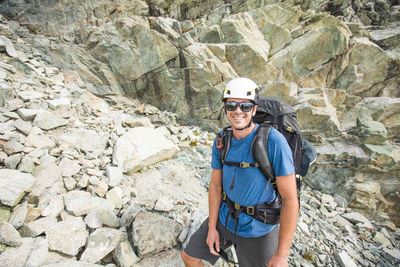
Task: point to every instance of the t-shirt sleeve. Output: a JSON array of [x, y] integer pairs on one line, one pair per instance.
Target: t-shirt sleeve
[[280, 154], [216, 158]]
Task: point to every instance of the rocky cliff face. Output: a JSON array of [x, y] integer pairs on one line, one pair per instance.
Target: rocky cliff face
[[341, 73], [79, 155]]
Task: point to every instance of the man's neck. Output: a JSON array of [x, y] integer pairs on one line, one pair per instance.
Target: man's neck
[[240, 134]]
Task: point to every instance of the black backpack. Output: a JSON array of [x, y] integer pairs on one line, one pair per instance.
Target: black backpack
[[277, 113], [271, 112]]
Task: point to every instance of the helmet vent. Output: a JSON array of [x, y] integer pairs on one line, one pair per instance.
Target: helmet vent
[[228, 92], [249, 93]]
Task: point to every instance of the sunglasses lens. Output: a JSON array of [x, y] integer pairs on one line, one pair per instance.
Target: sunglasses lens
[[231, 106], [246, 107]]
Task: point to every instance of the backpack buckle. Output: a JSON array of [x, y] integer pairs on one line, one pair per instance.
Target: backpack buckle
[[237, 206], [289, 129], [244, 165], [250, 210]]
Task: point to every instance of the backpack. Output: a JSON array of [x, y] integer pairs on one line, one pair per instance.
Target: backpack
[[271, 112]]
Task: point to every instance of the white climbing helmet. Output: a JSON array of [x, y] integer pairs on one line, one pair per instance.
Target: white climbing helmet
[[243, 88]]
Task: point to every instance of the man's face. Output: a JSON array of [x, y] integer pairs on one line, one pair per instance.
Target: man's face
[[238, 118]]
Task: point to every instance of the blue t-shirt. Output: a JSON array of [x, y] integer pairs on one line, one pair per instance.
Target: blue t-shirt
[[248, 186]]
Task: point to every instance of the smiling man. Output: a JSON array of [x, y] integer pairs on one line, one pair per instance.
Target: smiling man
[[237, 192]]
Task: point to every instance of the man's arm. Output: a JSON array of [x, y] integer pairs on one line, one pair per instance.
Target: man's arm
[[214, 202], [289, 213]]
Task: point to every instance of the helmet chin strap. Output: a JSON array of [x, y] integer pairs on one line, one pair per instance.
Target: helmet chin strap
[[248, 126]]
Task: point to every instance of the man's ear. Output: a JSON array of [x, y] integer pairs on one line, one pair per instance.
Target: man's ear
[[255, 109]]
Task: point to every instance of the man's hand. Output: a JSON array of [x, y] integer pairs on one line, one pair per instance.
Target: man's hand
[[213, 240], [277, 261]]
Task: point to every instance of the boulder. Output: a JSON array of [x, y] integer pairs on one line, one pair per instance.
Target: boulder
[[46, 120], [140, 57], [368, 65], [163, 259], [9, 236], [48, 178], [152, 233], [67, 236], [85, 140], [17, 256], [124, 255], [323, 42], [37, 227], [101, 242], [132, 150], [13, 186]]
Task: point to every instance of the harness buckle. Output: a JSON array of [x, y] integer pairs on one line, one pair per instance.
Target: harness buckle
[[223, 196], [244, 165], [237, 206], [250, 210]]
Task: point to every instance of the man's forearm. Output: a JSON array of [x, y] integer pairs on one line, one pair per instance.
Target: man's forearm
[[214, 198], [288, 223], [214, 201]]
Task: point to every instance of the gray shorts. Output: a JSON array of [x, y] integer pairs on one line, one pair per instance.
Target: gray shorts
[[250, 251]]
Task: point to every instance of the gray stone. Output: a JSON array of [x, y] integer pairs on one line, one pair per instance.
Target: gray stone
[[164, 204], [18, 215], [39, 141], [13, 186], [27, 164], [164, 259], [102, 217], [23, 126], [10, 49], [37, 227], [132, 151], [124, 255], [46, 120], [152, 233], [85, 140], [48, 176], [77, 202], [101, 242], [39, 253], [6, 31], [13, 104], [29, 95], [67, 236], [344, 259], [61, 103], [12, 161], [5, 214], [71, 263], [6, 93], [53, 207], [114, 175], [27, 114], [130, 214], [69, 167], [9, 236], [17, 256], [12, 147], [115, 195]]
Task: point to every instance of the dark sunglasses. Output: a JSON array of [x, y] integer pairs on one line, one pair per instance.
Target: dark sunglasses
[[244, 106]]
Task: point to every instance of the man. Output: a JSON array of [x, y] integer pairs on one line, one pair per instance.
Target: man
[[256, 243]]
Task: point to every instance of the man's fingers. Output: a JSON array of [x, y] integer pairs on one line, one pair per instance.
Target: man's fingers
[[217, 246], [213, 250]]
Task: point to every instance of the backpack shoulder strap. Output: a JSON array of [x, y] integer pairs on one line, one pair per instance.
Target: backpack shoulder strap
[[259, 149], [224, 142]]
